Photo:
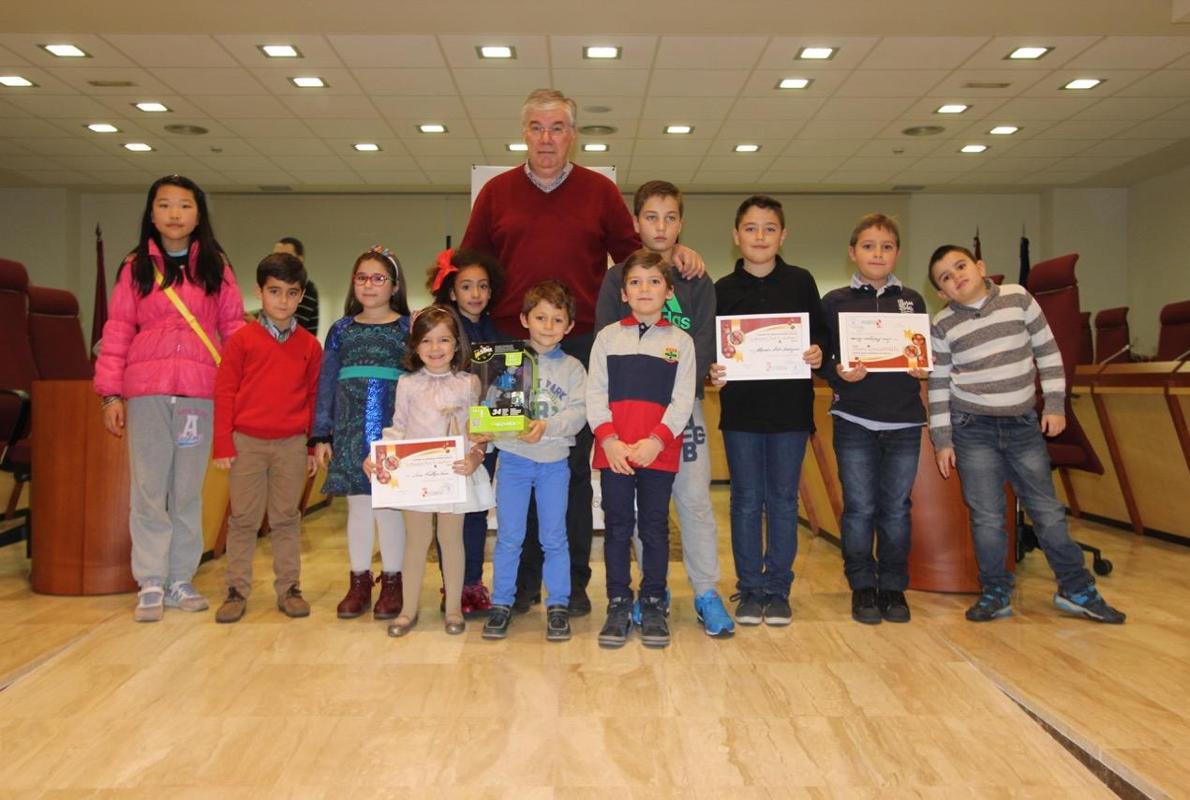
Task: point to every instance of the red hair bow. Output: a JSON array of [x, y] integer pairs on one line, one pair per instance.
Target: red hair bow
[[444, 268]]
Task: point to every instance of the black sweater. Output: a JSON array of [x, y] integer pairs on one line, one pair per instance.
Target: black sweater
[[881, 396], [770, 406]]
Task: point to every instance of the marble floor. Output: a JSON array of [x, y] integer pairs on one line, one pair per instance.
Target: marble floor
[[93, 705]]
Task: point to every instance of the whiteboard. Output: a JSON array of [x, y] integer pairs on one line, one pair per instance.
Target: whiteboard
[[481, 174]]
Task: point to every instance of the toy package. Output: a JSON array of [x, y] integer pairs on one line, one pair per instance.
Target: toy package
[[506, 373]]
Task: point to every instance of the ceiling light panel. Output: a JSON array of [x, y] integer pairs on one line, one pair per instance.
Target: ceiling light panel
[[1028, 53], [795, 83], [65, 51], [103, 127], [16, 82], [604, 52], [1004, 130], [367, 147], [138, 147], [951, 108], [432, 127], [279, 50], [679, 129], [496, 51], [308, 82], [595, 147], [151, 107], [747, 148], [816, 53], [1081, 84], [973, 148]]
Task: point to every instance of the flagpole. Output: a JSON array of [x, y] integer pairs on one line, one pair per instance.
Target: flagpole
[[99, 310]]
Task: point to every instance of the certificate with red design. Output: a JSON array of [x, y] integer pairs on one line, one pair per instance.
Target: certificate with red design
[[763, 347], [885, 342], [417, 472]]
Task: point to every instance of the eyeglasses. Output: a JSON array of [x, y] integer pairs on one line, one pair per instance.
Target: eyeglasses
[[375, 278], [555, 130]]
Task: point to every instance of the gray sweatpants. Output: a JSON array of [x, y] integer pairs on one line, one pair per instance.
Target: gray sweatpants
[[692, 496], [169, 445]]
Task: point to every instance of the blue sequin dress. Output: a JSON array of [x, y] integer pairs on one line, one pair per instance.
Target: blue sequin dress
[[356, 389]]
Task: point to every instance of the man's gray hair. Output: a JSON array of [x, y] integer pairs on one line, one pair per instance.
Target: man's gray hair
[[546, 99]]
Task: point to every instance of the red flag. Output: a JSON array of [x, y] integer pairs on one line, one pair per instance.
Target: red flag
[[99, 314], [978, 247]]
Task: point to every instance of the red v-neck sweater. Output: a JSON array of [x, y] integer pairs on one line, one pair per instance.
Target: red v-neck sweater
[[565, 234]]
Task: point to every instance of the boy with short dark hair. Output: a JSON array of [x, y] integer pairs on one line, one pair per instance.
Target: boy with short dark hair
[[536, 463], [264, 407], [983, 421], [657, 211], [640, 394]]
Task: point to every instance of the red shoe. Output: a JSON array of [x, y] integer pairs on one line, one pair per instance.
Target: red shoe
[[476, 599]]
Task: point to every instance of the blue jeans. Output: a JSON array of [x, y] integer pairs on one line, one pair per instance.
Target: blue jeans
[[650, 490], [990, 451], [516, 478], [764, 468], [877, 469]]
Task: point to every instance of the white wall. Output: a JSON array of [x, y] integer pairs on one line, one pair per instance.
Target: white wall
[[1094, 224], [1144, 227], [1158, 248]]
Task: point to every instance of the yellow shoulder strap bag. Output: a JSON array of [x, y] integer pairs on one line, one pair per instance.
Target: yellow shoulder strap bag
[[186, 315]]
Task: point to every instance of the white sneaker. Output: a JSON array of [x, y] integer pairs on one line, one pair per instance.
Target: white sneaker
[[184, 596], [149, 604]]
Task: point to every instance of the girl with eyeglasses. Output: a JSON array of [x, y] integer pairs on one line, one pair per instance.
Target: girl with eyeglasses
[[361, 363]]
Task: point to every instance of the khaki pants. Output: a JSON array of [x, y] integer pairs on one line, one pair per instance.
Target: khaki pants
[[272, 473]]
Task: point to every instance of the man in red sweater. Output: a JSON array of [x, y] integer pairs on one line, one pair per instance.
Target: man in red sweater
[[552, 218], [264, 407]]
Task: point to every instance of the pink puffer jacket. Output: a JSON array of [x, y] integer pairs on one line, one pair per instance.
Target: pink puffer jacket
[[148, 348]]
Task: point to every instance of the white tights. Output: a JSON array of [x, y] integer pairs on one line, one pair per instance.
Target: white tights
[[388, 523]]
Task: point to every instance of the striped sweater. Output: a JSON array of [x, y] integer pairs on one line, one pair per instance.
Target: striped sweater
[[641, 386], [984, 360]]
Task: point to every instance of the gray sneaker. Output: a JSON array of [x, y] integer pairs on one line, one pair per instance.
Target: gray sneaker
[[184, 596], [149, 604]]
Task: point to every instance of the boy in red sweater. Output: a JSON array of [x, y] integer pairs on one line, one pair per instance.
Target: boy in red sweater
[[264, 406]]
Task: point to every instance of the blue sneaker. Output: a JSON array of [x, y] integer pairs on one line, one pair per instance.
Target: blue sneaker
[[636, 608], [1090, 604], [709, 609], [992, 604]]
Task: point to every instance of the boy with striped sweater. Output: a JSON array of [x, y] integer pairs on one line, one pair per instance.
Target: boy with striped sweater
[[640, 394], [982, 420]]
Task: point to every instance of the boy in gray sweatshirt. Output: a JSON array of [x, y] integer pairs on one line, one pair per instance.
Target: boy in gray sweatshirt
[[536, 462]]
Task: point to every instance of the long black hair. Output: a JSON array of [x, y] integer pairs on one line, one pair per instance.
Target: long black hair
[[211, 258]]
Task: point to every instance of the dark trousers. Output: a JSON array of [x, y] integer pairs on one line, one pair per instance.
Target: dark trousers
[[649, 491], [578, 507]]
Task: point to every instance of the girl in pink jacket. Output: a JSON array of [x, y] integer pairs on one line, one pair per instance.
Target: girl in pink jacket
[[156, 376]]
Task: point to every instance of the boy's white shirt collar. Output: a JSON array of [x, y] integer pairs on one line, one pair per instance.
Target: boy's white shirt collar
[[858, 282]]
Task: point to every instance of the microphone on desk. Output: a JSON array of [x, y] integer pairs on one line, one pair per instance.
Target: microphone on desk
[[1116, 354], [1181, 356]]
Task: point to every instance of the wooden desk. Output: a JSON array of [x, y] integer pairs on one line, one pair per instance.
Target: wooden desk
[[1135, 417], [80, 496]]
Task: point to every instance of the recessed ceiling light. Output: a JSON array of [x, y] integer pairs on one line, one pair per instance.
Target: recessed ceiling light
[[973, 148], [601, 51], [103, 127], [308, 82], [1028, 53], [795, 83], [138, 147], [366, 147], [816, 53], [923, 130], [679, 129], [595, 147], [1083, 83], [496, 51], [747, 148], [952, 108], [153, 108], [517, 147], [279, 50], [65, 50], [432, 127], [1004, 130], [15, 81], [184, 129]]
